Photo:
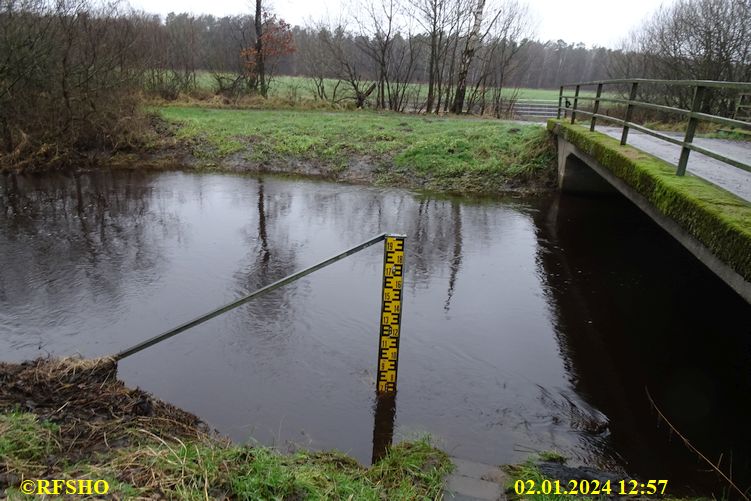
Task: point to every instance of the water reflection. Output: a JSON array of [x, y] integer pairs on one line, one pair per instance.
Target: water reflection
[[271, 255], [456, 258], [528, 324], [262, 234], [68, 241], [635, 311], [384, 416]]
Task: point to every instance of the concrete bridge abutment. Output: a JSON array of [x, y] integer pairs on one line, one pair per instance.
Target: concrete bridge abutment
[[579, 172], [575, 175]]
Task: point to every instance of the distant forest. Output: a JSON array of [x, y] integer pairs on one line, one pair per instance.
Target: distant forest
[[184, 45], [464, 51], [74, 73], [214, 44]]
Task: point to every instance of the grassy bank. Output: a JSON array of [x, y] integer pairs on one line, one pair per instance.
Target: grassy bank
[[73, 419], [442, 154]]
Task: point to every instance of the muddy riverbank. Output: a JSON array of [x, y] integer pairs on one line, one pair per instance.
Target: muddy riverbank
[[452, 155], [72, 419]]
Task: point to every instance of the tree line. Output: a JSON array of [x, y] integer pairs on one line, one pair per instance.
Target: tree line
[[73, 72], [690, 40], [461, 52]]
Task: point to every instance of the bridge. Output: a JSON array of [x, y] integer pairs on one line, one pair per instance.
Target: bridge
[[703, 200]]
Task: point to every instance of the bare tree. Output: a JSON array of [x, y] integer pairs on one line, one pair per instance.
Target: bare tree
[[692, 39], [431, 16], [227, 38], [441, 21], [378, 34], [260, 68], [503, 42], [468, 53], [345, 57], [316, 62]]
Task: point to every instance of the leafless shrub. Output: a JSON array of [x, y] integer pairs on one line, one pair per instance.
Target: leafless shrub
[[67, 74], [690, 40]]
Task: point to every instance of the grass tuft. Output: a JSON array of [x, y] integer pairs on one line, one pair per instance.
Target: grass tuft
[[25, 441], [204, 467]]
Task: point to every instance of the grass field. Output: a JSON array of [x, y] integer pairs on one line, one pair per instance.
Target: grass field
[[441, 153], [303, 88]]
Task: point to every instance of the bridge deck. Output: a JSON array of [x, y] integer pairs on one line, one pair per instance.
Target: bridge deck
[[720, 174], [710, 221]]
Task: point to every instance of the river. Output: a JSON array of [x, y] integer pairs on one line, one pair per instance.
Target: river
[[529, 324]]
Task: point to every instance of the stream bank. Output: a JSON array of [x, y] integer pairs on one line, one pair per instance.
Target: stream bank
[[72, 419]]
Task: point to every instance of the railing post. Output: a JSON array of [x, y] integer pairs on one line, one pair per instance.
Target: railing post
[[576, 101], [560, 102], [629, 112], [596, 108], [690, 129], [391, 313]]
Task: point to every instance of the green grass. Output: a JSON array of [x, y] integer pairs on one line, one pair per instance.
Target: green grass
[[552, 456], [731, 134], [205, 468], [24, 439], [442, 153]]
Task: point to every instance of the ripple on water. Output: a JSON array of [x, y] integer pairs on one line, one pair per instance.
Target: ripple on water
[[519, 332]]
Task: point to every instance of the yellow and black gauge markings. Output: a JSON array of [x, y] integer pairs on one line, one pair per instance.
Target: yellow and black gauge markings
[[391, 313]]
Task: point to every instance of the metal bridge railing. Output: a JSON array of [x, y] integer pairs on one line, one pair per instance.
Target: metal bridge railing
[[534, 108], [700, 90]]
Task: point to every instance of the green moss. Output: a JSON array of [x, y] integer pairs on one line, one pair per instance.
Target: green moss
[[552, 456], [718, 219]]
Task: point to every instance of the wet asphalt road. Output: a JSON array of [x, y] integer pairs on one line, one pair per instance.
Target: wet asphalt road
[[721, 174]]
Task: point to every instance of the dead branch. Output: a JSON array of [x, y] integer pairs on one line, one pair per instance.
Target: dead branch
[[691, 447]]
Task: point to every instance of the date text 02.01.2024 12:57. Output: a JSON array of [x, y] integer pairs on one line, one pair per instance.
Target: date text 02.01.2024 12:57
[[591, 487]]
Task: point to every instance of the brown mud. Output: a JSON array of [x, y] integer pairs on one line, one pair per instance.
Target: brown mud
[[94, 411]]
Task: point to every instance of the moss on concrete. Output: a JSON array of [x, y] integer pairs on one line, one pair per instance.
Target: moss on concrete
[[718, 219]]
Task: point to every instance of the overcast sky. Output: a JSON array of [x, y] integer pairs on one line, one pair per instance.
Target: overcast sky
[[594, 22]]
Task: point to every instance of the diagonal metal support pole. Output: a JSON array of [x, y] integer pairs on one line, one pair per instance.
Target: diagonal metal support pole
[[239, 302]]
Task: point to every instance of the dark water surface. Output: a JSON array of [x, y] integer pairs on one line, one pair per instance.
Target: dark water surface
[[529, 324]]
